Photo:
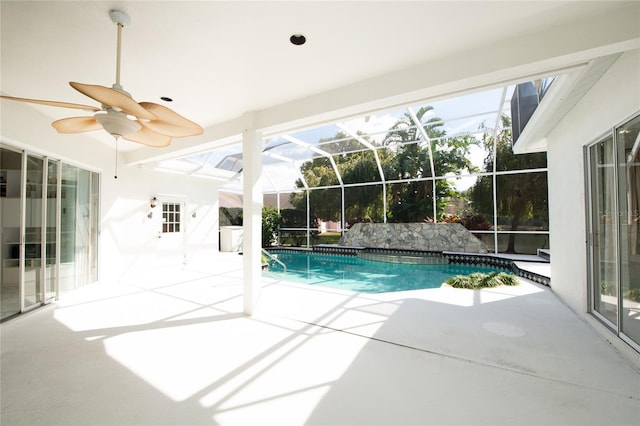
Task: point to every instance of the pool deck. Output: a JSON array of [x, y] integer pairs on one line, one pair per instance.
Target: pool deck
[[538, 268], [174, 348]]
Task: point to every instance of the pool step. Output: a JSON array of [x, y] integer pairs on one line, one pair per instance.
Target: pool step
[[405, 259], [545, 254]]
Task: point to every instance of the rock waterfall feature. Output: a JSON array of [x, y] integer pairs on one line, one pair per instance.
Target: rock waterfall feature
[[413, 236]]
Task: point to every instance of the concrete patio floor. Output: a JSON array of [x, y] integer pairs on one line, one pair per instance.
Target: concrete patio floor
[[175, 349]]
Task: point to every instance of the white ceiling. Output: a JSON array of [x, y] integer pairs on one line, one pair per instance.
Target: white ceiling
[[221, 59]]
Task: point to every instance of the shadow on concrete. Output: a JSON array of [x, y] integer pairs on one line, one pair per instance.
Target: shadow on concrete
[[180, 352], [467, 357]]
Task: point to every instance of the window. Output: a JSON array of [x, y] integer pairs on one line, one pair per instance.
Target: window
[[171, 217]]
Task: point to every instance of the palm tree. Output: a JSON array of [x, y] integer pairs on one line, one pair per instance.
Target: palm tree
[[412, 201]]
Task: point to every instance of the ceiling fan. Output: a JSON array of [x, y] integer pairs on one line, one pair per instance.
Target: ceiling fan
[[119, 114]]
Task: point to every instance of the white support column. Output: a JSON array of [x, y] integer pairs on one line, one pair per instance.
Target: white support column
[[252, 214]]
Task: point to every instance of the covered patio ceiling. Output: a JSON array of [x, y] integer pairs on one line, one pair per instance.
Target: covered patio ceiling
[[471, 113]]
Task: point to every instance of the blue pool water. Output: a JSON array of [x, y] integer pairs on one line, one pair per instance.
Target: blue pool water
[[364, 276]]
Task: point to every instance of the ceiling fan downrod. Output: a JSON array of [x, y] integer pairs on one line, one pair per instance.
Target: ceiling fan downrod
[[115, 176], [119, 49], [120, 19]]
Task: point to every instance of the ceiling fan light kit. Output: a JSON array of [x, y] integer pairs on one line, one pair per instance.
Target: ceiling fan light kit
[[150, 124], [117, 123]]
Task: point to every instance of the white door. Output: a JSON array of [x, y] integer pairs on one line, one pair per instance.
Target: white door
[[171, 226]]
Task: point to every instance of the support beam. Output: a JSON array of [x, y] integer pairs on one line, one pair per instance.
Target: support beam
[[252, 214], [317, 151], [494, 185]]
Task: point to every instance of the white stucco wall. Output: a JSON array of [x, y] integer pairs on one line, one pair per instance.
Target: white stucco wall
[[131, 243], [611, 100], [128, 241]]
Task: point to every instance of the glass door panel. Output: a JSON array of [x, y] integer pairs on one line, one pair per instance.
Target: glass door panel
[[68, 193], [51, 235], [33, 264], [628, 141], [93, 222], [603, 227], [10, 178], [83, 247], [79, 217]]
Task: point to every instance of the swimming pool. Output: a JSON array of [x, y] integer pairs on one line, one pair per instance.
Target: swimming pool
[[365, 276]]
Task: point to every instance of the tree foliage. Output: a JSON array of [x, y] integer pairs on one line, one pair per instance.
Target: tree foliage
[[354, 167], [412, 201], [405, 157], [521, 196]]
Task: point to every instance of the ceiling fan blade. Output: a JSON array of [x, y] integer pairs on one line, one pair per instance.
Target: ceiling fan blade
[[76, 125], [148, 137], [113, 98], [170, 122], [52, 103]]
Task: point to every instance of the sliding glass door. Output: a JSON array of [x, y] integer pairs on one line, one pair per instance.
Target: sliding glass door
[[628, 142], [613, 165], [49, 219], [604, 253]]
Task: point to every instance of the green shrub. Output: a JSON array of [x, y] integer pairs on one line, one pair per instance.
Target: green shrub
[[270, 226], [482, 280], [633, 294]]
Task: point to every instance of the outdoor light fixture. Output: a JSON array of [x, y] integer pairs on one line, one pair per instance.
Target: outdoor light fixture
[[153, 203]]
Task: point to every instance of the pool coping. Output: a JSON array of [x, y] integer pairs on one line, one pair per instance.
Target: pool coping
[[531, 267]]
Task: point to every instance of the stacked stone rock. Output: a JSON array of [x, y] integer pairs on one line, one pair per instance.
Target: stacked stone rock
[[413, 236]]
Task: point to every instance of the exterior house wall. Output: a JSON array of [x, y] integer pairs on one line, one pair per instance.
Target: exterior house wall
[[612, 99], [128, 240], [132, 243]]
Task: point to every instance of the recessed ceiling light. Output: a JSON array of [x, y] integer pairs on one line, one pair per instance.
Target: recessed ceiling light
[[166, 98], [298, 39]]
